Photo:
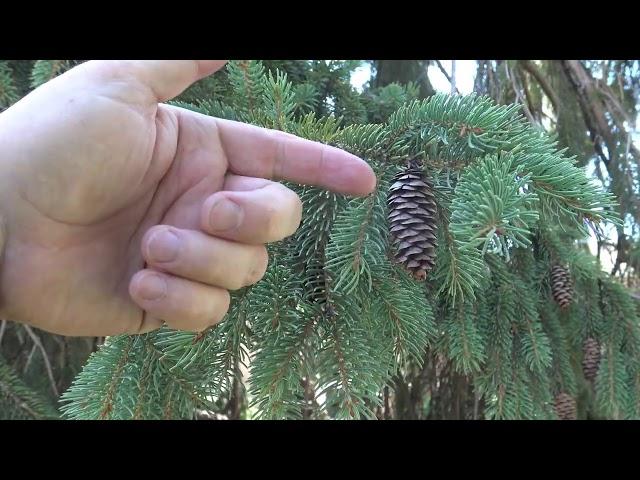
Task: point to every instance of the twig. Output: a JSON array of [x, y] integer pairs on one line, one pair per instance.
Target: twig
[[3, 326], [62, 356], [19, 401], [20, 335], [527, 94], [525, 106], [47, 364], [613, 101], [533, 70], [26, 366], [453, 77], [387, 407], [591, 112], [476, 402], [447, 76]]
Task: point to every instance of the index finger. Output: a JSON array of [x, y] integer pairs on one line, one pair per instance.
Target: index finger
[[259, 152]]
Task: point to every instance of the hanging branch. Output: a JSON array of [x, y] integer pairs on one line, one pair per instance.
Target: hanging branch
[[29, 358], [17, 400], [527, 93], [453, 77], [528, 66], [511, 75], [3, 326], [47, 364], [615, 105], [591, 109], [448, 77]]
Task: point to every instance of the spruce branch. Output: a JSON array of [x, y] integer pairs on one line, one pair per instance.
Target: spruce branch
[[404, 313], [247, 80], [45, 70], [464, 342], [92, 393], [493, 207], [273, 378], [18, 401], [355, 367], [8, 89], [358, 241], [283, 325], [459, 272]]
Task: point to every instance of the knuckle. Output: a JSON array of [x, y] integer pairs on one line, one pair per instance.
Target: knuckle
[[258, 266], [146, 239], [214, 269], [284, 221], [199, 311], [221, 307], [292, 212], [163, 245], [235, 283], [272, 222], [297, 212]]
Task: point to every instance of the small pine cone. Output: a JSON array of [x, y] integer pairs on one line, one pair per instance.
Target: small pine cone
[[412, 222], [590, 358], [561, 286], [565, 406]]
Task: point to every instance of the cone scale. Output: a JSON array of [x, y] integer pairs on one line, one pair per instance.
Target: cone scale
[[561, 287], [412, 222], [590, 358], [565, 407]]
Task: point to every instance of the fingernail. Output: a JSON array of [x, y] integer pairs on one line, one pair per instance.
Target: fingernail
[[225, 215], [163, 246], [153, 287]]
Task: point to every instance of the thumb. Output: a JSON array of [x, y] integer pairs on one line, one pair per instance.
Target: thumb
[[166, 79]]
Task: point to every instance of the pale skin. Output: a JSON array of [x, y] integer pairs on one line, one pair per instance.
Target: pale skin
[[121, 213]]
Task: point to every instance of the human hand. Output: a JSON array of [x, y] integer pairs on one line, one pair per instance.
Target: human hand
[[120, 212]]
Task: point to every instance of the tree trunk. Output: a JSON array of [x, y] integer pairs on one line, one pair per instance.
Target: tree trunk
[[403, 72]]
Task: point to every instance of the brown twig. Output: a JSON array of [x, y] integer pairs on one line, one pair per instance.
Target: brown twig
[[20, 335], [3, 326], [47, 364], [236, 397], [63, 357], [387, 407], [534, 112], [528, 66], [592, 109], [511, 75], [342, 370], [476, 402]]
